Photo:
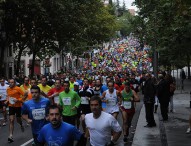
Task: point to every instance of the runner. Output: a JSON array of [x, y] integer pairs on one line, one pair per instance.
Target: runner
[[69, 100], [44, 87], [112, 97], [101, 126], [26, 88], [59, 133], [85, 93], [14, 97], [3, 94], [34, 112], [129, 96], [53, 93]]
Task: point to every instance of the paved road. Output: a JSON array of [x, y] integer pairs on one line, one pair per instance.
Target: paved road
[[24, 139], [19, 137]]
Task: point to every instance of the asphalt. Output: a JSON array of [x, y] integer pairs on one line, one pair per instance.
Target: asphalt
[[172, 132]]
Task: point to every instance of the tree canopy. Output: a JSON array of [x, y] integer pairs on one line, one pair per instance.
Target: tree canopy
[[41, 28], [165, 25]]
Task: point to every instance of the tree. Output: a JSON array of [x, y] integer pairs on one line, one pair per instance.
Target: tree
[[166, 27], [42, 28]]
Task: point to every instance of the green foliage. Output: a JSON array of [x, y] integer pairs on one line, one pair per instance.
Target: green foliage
[[125, 23], [165, 26], [43, 27]]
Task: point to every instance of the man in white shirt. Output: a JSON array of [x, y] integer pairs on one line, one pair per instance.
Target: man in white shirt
[[3, 94], [101, 126]]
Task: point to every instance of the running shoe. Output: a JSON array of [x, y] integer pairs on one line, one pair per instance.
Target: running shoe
[[10, 139], [125, 139], [188, 131]]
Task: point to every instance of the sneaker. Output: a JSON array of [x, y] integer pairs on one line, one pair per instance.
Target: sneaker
[[188, 131], [10, 139], [33, 143], [22, 129], [125, 139], [4, 124]]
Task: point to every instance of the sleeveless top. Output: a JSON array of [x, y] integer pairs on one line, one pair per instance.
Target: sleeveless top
[[112, 100], [126, 97]]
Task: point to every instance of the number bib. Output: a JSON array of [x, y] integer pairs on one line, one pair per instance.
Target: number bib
[[56, 99], [38, 114], [127, 104], [111, 102], [66, 101], [84, 100], [11, 100]]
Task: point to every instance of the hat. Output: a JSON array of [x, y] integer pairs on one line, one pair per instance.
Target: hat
[[76, 83], [66, 79]]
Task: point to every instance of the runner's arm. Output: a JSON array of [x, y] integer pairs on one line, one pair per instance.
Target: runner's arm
[[119, 97], [136, 97]]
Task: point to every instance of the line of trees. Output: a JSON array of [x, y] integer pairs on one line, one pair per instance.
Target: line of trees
[[43, 27], [165, 25]]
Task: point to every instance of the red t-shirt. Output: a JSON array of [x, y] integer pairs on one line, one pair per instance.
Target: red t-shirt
[[54, 90]]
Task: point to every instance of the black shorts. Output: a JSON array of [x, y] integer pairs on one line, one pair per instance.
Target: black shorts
[[2, 104], [15, 110], [69, 119], [85, 109]]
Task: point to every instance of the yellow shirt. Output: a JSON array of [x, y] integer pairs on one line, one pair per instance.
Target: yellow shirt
[[45, 89], [72, 85], [26, 89]]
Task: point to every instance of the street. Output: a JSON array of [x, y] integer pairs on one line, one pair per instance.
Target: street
[[25, 139]]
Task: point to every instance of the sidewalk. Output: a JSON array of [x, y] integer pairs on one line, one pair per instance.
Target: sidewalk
[[171, 133]]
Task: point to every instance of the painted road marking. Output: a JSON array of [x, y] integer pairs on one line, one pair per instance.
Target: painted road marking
[[26, 143]]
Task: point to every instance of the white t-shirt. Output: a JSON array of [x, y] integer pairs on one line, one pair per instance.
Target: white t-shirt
[[100, 129], [3, 92]]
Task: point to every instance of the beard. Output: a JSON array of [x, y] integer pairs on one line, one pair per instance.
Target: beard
[[55, 123]]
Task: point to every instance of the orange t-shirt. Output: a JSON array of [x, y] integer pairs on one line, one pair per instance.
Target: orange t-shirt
[[15, 92]]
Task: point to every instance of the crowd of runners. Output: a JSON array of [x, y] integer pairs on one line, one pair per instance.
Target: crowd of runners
[[56, 106]]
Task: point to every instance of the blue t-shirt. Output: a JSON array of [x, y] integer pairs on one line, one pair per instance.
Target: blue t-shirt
[[80, 82], [36, 111], [103, 88], [65, 135]]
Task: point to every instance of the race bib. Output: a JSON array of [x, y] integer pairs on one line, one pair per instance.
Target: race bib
[[66, 101], [11, 100], [84, 100], [127, 104], [56, 99], [111, 102], [38, 114]]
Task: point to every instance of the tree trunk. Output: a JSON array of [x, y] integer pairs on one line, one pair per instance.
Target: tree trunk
[[188, 65], [18, 67], [2, 67], [33, 64]]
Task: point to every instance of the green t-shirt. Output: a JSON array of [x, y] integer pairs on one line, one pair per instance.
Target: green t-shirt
[[69, 100]]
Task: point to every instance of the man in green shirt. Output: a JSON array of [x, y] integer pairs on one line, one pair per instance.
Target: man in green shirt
[[69, 101]]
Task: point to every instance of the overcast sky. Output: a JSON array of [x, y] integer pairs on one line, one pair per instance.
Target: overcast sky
[[128, 3]]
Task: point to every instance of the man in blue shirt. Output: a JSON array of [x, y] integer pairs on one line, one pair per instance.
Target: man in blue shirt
[[58, 132], [34, 111]]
